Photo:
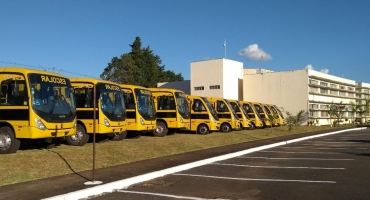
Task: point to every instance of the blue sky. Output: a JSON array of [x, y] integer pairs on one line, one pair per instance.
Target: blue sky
[[81, 37]]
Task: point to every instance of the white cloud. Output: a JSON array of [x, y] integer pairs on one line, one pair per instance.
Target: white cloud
[[324, 71], [309, 66], [252, 52]]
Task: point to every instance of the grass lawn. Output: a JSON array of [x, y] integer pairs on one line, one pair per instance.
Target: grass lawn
[[31, 164]]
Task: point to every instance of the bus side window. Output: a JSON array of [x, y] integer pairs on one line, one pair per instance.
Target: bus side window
[[221, 107]]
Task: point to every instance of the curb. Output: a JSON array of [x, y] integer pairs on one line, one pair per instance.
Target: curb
[[125, 183]]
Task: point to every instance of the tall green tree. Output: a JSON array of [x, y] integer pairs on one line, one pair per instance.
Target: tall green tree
[[336, 110], [139, 67]]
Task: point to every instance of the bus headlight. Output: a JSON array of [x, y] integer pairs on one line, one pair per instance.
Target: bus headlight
[[39, 124], [141, 121], [75, 124], [181, 120], [106, 122]]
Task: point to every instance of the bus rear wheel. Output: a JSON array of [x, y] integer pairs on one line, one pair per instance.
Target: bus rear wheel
[[8, 142], [80, 138], [161, 129], [203, 129]]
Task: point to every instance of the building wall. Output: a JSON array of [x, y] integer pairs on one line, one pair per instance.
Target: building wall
[[288, 90], [179, 85], [222, 73], [232, 73]]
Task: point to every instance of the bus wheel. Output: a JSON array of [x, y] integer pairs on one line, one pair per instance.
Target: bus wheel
[[252, 126], [203, 129], [161, 129], [80, 138], [225, 127], [8, 142], [118, 136]]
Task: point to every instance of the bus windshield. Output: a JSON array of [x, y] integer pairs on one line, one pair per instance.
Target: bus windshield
[[182, 105], [232, 110], [52, 97], [243, 110], [145, 103], [112, 103], [210, 108]]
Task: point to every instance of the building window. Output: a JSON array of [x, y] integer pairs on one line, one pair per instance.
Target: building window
[[314, 82], [214, 87], [314, 106], [314, 89], [343, 94], [324, 107], [334, 92], [199, 88], [324, 114], [323, 91], [350, 88], [333, 85], [342, 87], [324, 84]]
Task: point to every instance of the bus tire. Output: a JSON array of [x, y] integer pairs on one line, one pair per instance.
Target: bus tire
[[203, 129], [80, 138], [225, 127], [118, 136], [161, 129], [252, 126], [9, 144]]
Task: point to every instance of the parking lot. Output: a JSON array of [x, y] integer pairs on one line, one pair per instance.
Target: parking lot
[[330, 167]]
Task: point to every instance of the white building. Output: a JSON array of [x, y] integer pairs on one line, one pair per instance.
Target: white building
[[292, 91]]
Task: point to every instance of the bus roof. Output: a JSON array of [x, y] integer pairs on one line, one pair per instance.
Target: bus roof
[[21, 70], [165, 90], [90, 80], [133, 86]]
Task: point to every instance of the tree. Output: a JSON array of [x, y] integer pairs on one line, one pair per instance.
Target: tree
[[272, 118], [139, 67], [336, 110], [294, 120]]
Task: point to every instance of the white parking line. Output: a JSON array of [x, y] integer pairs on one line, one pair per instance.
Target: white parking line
[[299, 152], [255, 179], [312, 148], [294, 158], [236, 165], [163, 195]]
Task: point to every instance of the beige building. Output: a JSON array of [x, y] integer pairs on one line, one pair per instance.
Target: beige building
[[291, 91], [304, 89]]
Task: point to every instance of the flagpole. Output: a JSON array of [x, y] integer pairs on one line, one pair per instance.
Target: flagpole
[[225, 48]]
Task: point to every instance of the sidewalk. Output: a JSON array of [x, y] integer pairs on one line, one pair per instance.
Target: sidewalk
[[43, 188]]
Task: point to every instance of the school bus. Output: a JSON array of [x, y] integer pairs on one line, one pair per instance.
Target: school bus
[[276, 111], [262, 112], [140, 109], [110, 111], [173, 111], [35, 105], [254, 116], [203, 118], [242, 114], [228, 119], [269, 112]]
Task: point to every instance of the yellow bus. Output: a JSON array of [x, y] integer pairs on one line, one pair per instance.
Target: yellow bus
[[254, 116], [173, 111], [140, 109], [275, 110], [34, 104], [241, 113], [203, 118], [269, 112], [110, 111], [260, 109], [228, 119]]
